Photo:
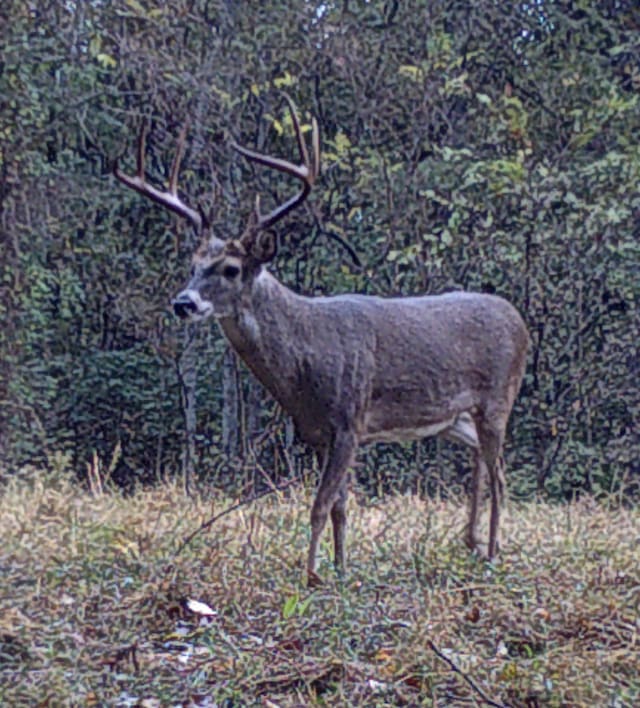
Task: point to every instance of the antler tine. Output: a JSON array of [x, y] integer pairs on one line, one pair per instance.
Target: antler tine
[[302, 146], [168, 198], [177, 159], [306, 172], [314, 163]]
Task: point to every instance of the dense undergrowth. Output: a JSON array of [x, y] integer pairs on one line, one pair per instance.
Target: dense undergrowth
[[94, 611]]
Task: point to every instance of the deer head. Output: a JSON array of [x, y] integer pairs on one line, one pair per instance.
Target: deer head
[[222, 270]]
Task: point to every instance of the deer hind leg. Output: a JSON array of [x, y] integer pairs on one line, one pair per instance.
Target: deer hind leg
[[331, 497], [480, 475], [491, 439], [501, 482], [465, 430]]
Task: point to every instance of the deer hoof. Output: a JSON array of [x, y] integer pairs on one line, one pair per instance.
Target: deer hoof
[[313, 579], [482, 551], [478, 548]]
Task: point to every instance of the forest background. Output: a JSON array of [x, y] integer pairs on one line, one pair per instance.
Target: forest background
[[485, 146]]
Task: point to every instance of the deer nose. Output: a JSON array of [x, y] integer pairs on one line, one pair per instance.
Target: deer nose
[[184, 306]]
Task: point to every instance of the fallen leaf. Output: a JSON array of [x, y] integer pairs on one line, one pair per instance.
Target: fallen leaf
[[199, 608]]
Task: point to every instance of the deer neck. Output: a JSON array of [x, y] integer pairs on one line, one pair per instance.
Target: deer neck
[[262, 332]]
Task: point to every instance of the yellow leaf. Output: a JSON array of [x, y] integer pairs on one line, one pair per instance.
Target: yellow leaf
[[223, 95], [127, 548], [509, 672], [136, 6], [95, 44], [106, 60], [383, 655], [412, 72], [341, 142], [285, 80], [334, 227]]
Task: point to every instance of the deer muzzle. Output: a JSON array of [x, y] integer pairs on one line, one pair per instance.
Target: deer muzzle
[[188, 305]]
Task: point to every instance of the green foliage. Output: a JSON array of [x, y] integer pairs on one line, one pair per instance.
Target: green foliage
[[295, 606], [489, 147]]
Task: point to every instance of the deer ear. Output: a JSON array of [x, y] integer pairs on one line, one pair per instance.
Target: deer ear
[[264, 247]]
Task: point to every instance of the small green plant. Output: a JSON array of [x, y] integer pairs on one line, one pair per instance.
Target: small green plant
[[296, 606]]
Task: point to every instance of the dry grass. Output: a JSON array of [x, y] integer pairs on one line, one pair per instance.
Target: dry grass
[[92, 604]]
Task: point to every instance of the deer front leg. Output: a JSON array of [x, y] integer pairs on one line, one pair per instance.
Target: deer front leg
[[331, 496], [339, 522]]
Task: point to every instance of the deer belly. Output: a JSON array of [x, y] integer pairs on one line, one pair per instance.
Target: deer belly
[[459, 427], [405, 434]]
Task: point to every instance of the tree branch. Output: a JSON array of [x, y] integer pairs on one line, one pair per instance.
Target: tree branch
[[454, 667]]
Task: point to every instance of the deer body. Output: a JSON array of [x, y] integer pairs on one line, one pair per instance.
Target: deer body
[[391, 369], [356, 369]]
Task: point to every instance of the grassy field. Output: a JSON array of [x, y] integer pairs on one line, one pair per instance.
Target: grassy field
[[93, 604]]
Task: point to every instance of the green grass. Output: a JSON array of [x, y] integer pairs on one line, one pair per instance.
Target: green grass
[[92, 604]]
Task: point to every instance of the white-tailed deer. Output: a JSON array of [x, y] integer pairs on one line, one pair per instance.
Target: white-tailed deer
[[355, 369]]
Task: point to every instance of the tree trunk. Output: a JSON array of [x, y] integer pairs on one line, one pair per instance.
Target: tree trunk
[[187, 375], [231, 404]]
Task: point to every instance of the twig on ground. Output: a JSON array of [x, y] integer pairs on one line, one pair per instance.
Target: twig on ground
[[209, 522], [454, 667]]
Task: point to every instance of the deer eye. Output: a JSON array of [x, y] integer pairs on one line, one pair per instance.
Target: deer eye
[[230, 271]]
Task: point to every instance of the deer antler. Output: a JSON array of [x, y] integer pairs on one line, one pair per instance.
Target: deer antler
[[306, 172], [168, 198]]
